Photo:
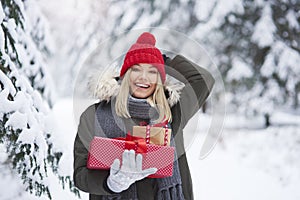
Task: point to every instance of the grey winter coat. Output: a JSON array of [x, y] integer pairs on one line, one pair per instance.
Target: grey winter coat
[[184, 101]]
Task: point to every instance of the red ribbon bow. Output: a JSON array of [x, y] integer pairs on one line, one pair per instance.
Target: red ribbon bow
[[138, 144]]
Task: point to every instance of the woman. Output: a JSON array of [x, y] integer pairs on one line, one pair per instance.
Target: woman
[[142, 95]]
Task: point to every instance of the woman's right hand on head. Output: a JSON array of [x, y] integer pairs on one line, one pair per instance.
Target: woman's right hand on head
[[122, 176]]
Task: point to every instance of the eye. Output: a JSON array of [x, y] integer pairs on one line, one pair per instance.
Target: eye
[[135, 69], [153, 71]]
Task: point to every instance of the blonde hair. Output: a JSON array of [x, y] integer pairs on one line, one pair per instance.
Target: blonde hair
[[157, 99]]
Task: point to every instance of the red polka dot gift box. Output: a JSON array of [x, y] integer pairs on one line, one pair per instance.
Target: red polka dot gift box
[[103, 151]]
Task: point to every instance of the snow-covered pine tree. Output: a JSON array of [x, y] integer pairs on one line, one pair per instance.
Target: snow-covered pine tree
[[174, 14], [101, 20], [77, 27], [258, 52], [26, 95]]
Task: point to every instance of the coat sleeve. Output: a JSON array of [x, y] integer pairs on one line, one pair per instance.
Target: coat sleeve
[[198, 84], [91, 181]]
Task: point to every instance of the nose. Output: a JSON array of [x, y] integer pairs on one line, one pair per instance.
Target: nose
[[143, 74]]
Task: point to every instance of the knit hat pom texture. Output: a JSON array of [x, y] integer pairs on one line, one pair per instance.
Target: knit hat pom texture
[[146, 38]]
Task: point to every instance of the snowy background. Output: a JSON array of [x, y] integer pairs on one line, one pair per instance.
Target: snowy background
[[253, 49]]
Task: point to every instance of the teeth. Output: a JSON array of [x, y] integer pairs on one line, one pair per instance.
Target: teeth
[[142, 85]]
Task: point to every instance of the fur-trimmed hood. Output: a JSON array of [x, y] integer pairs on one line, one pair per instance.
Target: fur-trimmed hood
[[104, 84]]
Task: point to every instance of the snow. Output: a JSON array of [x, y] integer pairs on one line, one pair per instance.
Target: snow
[[281, 61], [2, 15], [291, 17], [23, 104], [11, 26], [164, 5], [17, 120], [63, 132], [62, 123], [247, 163], [7, 83], [212, 14], [239, 70], [268, 68], [76, 27], [264, 29]]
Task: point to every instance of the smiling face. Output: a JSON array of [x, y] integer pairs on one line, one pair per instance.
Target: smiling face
[[143, 80]]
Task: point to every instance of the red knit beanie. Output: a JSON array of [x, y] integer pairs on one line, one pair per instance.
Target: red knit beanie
[[144, 51]]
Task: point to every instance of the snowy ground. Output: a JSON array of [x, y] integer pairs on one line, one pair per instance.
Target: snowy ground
[[248, 162]]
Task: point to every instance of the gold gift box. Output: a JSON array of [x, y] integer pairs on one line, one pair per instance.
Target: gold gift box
[[157, 134]]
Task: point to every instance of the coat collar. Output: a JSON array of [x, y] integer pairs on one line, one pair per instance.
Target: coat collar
[[103, 85]]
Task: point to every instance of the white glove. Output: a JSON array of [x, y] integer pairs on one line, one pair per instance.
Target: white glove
[[131, 171]]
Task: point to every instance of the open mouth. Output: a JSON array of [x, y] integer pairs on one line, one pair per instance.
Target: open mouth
[[142, 85]]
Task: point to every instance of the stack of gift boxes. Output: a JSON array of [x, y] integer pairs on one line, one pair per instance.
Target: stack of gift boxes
[[152, 142]]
